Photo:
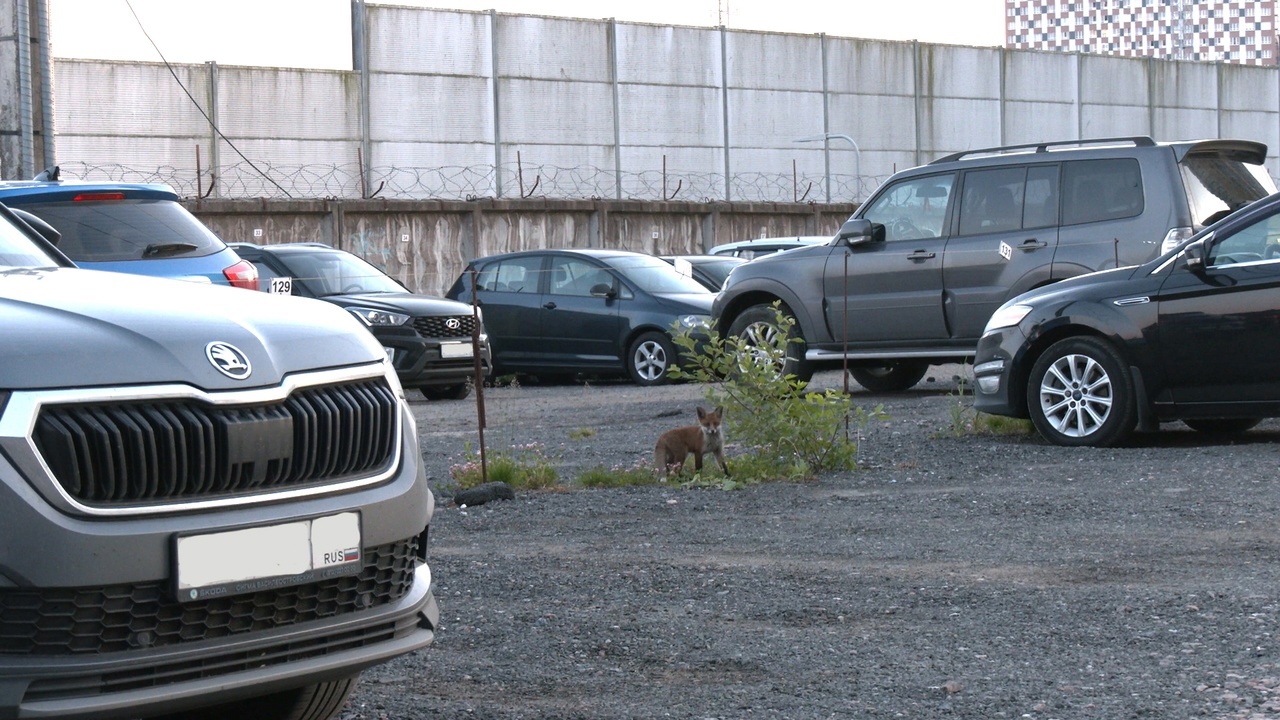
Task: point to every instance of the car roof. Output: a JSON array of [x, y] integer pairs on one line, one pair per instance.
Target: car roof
[[19, 191], [283, 247], [598, 253], [1255, 152]]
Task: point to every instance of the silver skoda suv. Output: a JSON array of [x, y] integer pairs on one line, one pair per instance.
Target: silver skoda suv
[[211, 501]]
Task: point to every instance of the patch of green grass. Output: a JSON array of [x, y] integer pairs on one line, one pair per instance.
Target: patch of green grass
[[1001, 425], [619, 476], [582, 433], [524, 467]]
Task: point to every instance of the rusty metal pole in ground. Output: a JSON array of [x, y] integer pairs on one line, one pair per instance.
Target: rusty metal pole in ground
[[479, 372]]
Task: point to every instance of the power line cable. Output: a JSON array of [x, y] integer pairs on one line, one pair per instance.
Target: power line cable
[[212, 124]]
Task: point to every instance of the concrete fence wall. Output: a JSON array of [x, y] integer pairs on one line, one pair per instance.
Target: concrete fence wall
[[458, 105]]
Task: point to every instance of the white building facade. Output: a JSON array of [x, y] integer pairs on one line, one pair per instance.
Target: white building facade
[[1234, 31]]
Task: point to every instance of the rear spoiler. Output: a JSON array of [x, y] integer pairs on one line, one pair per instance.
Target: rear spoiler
[[1242, 150]]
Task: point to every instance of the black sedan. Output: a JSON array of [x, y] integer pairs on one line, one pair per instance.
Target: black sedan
[[562, 312], [1192, 335], [429, 340]]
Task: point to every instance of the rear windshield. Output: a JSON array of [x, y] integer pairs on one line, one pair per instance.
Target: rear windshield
[[1217, 185], [127, 230], [327, 272]]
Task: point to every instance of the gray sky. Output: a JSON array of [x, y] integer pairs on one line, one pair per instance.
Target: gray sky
[[316, 34]]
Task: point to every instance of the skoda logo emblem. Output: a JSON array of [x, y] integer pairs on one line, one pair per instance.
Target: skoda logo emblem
[[453, 323], [228, 359]]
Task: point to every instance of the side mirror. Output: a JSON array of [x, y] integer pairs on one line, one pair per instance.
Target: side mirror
[[604, 290], [1194, 254], [857, 231]]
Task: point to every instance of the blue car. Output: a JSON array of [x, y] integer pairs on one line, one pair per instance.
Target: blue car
[[131, 228]]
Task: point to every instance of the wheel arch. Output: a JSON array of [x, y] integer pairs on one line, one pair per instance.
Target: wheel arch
[[765, 295], [1047, 337]]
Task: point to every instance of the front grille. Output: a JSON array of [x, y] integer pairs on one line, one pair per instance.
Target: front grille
[[438, 327], [107, 454], [80, 621]]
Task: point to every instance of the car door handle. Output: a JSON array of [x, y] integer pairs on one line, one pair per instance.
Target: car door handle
[[550, 306], [1032, 244], [922, 255]]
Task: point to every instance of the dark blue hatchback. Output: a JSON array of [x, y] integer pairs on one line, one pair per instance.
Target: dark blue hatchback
[[562, 312], [131, 228]]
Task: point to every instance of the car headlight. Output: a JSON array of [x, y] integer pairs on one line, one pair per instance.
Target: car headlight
[[372, 316], [694, 322], [1007, 316]]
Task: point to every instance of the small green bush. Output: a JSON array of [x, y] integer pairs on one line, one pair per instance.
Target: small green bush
[[789, 432]]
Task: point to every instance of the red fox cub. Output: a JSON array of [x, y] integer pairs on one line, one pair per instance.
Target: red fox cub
[[706, 437]]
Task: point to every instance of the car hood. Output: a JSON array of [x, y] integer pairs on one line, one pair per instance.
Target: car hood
[[695, 303], [404, 302], [69, 327], [1102, 281]]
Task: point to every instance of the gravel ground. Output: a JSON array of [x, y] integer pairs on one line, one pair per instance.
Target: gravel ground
[[969, 576]]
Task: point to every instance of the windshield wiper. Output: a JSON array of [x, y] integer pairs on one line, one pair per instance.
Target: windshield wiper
[[168, 249]]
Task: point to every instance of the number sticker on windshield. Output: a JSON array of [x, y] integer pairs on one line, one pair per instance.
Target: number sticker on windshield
[[282, 286]]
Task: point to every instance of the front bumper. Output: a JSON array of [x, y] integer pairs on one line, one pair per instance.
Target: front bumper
[[997, 388], [422, 362], [175, 679]]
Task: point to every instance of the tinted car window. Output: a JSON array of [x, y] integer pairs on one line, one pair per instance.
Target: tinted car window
[[1098, 190], [992, 200], [572, 276], [514, 275], [656, 276], [104, 231], [337, 273], [1258, 241], [1040, 200], [912, 209]]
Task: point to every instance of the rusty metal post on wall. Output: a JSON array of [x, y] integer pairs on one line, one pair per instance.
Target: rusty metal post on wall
[[479, 372]]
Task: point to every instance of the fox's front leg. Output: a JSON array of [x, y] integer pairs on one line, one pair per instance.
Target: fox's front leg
[[723, 465]]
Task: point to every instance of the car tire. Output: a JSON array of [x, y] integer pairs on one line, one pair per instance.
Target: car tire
[[758, 325], [321, 701], [1080, 394], [893, 376], [447, 392], [650, 357], [1222, 426]]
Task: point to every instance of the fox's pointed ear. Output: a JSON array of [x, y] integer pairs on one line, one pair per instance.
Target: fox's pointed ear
[[701, 413], [720, 411]]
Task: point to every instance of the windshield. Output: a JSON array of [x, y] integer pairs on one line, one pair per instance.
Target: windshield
[[19, 251], [1217, 185], [334, 272], [654, 275], [112, 230]]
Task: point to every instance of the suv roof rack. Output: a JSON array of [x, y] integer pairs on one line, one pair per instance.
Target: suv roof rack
[[1136, 141]]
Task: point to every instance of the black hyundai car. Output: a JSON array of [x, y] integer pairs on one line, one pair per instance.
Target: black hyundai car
[[431, 341], [1192, 335], [564, 312]]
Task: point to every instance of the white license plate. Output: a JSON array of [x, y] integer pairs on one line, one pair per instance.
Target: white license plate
[[281, 286], [455, 350], [261, 558]]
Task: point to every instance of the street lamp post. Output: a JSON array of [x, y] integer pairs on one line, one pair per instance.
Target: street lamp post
[[826, 139]]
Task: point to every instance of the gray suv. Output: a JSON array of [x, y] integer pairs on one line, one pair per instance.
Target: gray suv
[[913, 276], [213, 503]]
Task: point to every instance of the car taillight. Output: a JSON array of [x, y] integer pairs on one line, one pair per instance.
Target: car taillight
[[243, 275], [89, 197]]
